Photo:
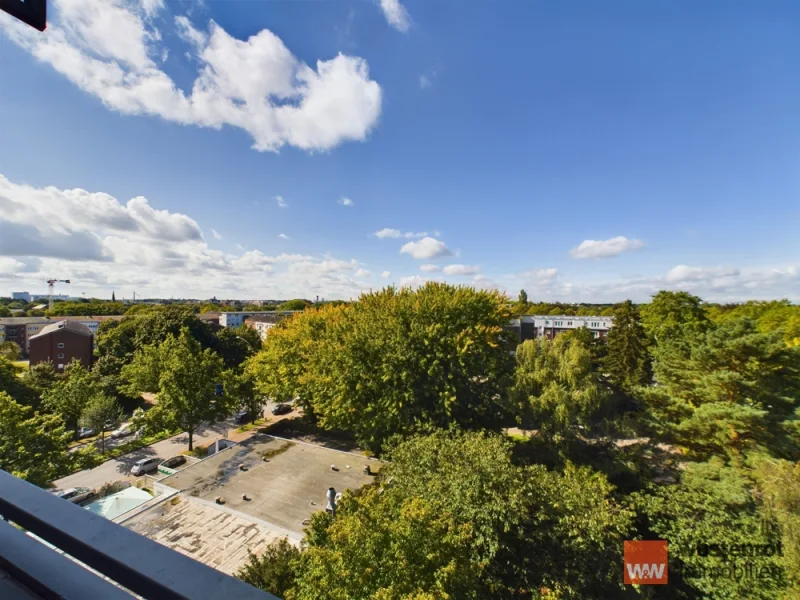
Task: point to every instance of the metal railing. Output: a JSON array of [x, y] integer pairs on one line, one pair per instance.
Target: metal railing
[[116, 557]]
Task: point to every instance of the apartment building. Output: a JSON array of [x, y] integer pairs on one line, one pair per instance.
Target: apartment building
[[234, 319], [22, 329], [531, 327], [263, 323], [62, 342]]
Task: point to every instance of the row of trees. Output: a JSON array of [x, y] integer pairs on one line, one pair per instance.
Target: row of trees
[[684, 426], [167, 351]]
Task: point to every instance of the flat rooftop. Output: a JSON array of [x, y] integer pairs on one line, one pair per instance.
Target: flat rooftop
[[213, 535], [284, 481]]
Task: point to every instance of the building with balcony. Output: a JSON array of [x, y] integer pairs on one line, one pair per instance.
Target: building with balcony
[[531, 327], [263, 323]]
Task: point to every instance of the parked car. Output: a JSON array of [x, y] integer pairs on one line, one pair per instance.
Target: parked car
[[124, 430], [85, 432], [174, 462], [241, 417], [78, 495], [281, 409], [145, 465]]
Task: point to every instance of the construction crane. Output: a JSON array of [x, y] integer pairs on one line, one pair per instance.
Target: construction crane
[[51, 283]]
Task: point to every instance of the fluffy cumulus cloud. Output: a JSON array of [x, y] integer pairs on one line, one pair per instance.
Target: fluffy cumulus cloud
[[426, 248], [461, 270], [283, 236], [345, 201], [112, 49], [605, 248], [281, 202], [386, 274], [363, 274], [429, 268], [396, 14], [101, 243]]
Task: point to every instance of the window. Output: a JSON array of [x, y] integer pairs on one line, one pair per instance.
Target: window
[[596, 333], [60, 344], [569, 323], [61, 355]]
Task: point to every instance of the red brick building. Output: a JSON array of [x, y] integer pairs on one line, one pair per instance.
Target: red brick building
[[61, 343]]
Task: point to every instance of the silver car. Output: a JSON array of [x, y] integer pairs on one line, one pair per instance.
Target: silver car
[[145, 465], [77, 495]]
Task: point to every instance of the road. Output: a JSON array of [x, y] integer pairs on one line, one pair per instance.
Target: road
[[119, 468]]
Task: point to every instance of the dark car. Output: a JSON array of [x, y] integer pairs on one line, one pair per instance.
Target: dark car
[[241, 417], [282, 409]]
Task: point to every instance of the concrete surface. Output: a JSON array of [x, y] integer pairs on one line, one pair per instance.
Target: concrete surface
[[211, 534], [284, 490]]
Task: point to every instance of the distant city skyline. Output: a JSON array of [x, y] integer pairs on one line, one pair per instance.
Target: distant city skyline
[[584, 152]]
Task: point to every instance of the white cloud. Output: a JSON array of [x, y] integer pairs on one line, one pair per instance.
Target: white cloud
[[605, 248], [283, 236], [386, 274], [430, 268], [413, 281], [396, 14], [101, 244], [461, 270], [345, 201], [550, 273], [363, 273], [396, 233], [281, 202], [106, 47], [685, 273], [424, 82], [427, 247], [216, 234]]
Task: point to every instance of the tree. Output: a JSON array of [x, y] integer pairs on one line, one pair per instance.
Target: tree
[[13, 385], [713, 504], [389, 546], [396, 361], [10, 350], [241, 393], [737, 387], [273, 571], [32, 446], [672, 315], [4, 311], [237, 344], [296, 304], [41, 378], [186, 375], [627, 361], [70, 395], [101, 411], [556, 388]]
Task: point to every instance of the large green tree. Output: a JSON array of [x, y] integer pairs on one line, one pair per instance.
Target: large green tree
[[99, 413], [70, 395], [735, 387], [672, 315], [627, 360], [556, 388], [186, 376], [33, 446], [396, 361]]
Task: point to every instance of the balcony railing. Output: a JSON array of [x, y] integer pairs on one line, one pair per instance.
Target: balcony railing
[[121, 563]]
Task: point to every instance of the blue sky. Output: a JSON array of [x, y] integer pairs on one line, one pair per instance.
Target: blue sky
[[584, 151]]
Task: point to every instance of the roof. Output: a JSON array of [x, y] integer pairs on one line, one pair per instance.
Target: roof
[[73, 326], [208, 316], [33, 320], [117, 504], [265, 319]]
